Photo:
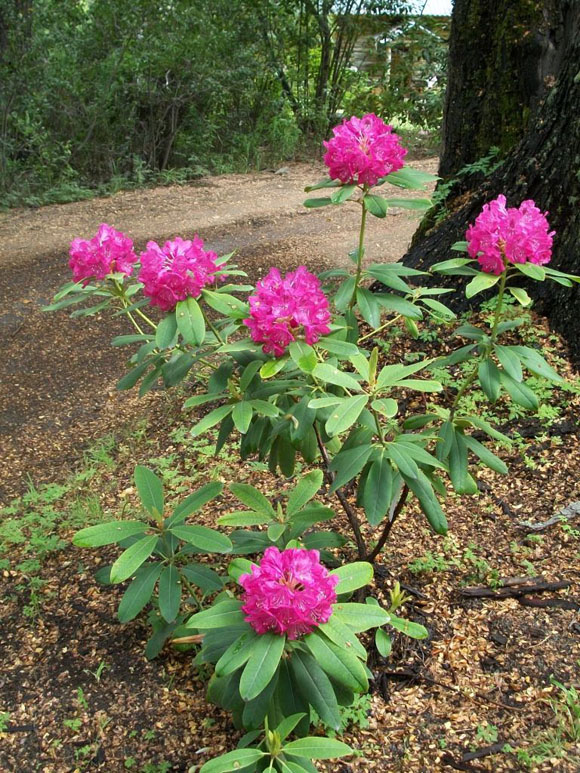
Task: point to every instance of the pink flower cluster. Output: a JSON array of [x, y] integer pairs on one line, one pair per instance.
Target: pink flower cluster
[[290, 592], [283, 309], [108, 252], [178, 270], [502, 234], [363, 150]]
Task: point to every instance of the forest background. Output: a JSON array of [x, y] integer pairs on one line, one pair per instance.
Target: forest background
[[102, 95]]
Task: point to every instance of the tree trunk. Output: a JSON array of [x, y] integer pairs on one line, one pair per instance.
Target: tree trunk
[[543, 166], [499, 56]]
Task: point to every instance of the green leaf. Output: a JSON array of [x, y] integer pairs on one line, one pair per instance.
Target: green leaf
[[238, 567], [462, 481], [369, 307], [479, 283], [253, 499], [307, 487], [326, 183], [271, 367], [193, 402], [343, 193], [237, 653], [242, 416], [288, 724], [239, 759], [139, 592], [303, 355], [223, 615], [332, 375], [342, 635], [413, 630], [510, 361], [423, 490], [417, 205], [107, 533], [190, 321], [361, 617], [194, 502], [166, 332], [353, 576], [534, 361], [376, 205], [399, 306], [315, 687], [304, 519], [212, 418], [344, 294], [388, 274], [340, 348], [532, 270], [399, 454], [202, 576], [320, 202], [340, 665], [409, 178], [386, 407], [129, 380], [487, 457], [169, 593], [344, 415], [488, 374], [420, 384], [203, 538], [132, 558], [520, 393], [249, 372], [243, 518], [150, 489], [225, 304], [347, 465], [383, 642], [318, 748], [454, 266], [262, 665], [520, 295], [378, 491]]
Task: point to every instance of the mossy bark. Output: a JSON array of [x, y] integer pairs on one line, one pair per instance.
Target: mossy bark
[[501, 54], [544, 166]]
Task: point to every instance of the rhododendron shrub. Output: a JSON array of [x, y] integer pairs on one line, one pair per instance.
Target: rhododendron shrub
[[291, 372]]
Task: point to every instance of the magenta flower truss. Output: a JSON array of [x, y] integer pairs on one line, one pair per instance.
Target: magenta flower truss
[[281, 310], [502, 234], [290, 592], [178, 270], [363, 150], [108, 252]]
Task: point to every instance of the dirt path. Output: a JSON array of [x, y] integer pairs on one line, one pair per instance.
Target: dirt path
[[58, 375]]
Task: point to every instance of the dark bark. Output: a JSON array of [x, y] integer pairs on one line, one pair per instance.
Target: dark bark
[[501, 55], [543, 166]]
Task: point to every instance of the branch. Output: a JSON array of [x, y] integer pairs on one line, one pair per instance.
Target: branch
[[393, 515], [346, 506]]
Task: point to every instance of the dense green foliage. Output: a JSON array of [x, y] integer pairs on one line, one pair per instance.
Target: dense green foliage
[[98, 95]]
